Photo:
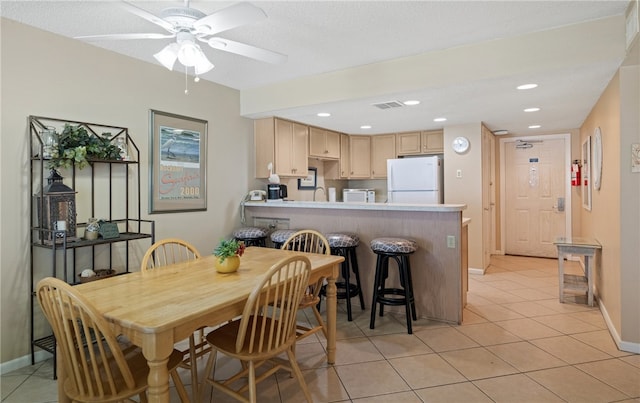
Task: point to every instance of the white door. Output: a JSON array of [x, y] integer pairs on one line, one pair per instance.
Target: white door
[[535, 199]]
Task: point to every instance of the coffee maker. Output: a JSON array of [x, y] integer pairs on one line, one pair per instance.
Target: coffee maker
[[276, 192]]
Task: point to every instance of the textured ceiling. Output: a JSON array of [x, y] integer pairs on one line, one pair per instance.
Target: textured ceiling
[[472, 53]]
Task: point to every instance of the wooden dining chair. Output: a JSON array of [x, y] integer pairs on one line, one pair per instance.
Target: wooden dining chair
[[169, 251], [312, 242], [98, 366], [266, 329]]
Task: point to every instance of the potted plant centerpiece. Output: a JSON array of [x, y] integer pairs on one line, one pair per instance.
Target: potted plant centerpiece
[[228, 254]]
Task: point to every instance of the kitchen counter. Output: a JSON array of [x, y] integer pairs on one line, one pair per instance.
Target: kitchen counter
[[438, 267], [358, 206]]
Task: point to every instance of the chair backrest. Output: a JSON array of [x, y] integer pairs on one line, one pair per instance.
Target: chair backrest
[[307, 240], [268, 321], [168, 251], [93, 359]]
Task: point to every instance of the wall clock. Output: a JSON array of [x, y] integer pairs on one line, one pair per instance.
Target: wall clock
[[460, 144], [597, 159]]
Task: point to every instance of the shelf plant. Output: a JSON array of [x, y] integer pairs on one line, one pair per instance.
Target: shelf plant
[[76, 147], [228, 248]]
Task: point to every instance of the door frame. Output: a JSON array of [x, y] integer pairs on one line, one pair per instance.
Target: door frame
[[567, 185]]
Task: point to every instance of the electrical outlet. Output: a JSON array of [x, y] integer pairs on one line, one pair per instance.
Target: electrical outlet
[[459, 173], [451, 241]]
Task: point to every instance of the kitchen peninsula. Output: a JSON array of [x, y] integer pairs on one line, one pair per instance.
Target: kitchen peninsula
[[438, 268]]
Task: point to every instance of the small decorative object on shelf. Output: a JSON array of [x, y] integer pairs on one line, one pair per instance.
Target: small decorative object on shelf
[[109, 230], [228, 254], [49, 142], [91, 232], [90, 275], [121, 143], [57, 209]]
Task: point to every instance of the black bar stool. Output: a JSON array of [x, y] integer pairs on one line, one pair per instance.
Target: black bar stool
[[345, 244], [399, 250], [252, 236], [280, 236]]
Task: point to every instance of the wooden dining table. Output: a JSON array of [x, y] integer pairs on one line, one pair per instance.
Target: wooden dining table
[[161, 307]]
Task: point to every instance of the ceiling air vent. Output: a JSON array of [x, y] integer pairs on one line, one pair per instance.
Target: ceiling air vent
[[389, 105]]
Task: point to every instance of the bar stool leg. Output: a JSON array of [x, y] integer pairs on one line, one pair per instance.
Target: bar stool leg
[[356, 271], [346, 277], [376, 284], [410, 294]]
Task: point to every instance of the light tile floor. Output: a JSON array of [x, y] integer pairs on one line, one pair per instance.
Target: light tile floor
[[517, 344]]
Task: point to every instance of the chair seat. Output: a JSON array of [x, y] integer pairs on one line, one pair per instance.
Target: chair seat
[[281, 235], [393, 245], [250, 233], [342, 239]]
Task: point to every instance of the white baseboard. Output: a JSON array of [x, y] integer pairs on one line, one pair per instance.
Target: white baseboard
[[473, 270], [622, 345], [23, 361]]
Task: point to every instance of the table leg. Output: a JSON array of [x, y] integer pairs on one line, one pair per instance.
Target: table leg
[[588, 271], [157, 350], [561, 275], [332, 306]]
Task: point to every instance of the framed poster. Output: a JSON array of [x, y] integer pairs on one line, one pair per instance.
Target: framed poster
[[178, 163], [311, 181]]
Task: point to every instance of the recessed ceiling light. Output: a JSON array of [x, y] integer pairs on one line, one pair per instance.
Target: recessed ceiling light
[[532, 109], [365, 127], [526, 86], [440, 119], [535, 127], [324, 114], [411, 103]]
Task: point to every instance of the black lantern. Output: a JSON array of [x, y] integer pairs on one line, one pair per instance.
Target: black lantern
[[57, 209]]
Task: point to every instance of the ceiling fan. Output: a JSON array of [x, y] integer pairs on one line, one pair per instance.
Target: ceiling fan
[[189, 25]]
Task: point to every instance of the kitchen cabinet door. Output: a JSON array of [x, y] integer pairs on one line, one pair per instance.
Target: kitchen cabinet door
[[432, 142], [291, 148], [383, 147], [345, 157], [360, 157], [324, 144], [409, 143]]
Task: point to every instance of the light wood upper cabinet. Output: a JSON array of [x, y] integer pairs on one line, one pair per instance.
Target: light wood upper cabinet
[[409, 143], [424, 142], [284, 143], [359, 157], [432, 142], [324, 144], [383, 147], [345, 157]]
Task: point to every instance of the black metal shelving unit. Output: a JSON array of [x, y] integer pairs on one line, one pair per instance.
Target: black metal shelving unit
[[106, 183]]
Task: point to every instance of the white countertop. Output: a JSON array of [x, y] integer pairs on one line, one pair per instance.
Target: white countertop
[[358, 206]]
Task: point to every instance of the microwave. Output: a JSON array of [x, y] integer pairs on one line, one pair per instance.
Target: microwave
[[358, 196]]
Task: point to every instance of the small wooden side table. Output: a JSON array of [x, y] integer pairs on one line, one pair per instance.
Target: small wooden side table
[[573, 283]]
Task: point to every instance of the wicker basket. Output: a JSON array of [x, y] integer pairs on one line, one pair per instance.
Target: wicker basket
[[100, 274]]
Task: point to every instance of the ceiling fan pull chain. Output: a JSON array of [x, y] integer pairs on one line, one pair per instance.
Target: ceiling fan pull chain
[[186, 81]]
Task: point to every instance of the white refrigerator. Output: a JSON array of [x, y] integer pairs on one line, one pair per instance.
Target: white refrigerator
[[415, 180]]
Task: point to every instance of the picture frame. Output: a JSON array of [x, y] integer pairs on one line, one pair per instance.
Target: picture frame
[[311, 181], [586, 174], [178, 163]]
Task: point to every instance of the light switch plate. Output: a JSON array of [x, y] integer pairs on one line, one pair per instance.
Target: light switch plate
[[451, 241]]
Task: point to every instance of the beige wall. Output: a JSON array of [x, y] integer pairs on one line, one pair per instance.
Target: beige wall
[[614, 219], [468, 189], [47, 75]]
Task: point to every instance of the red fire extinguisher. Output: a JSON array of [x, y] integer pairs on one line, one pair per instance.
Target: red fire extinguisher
[[575, 173]]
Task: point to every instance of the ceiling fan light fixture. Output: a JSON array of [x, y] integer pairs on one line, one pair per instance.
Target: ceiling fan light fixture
[[203, 65], [168, 55]]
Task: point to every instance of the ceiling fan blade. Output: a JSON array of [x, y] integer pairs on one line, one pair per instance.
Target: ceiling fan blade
[[124, 36], [249, 51], [148, 16], [230, 17]]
